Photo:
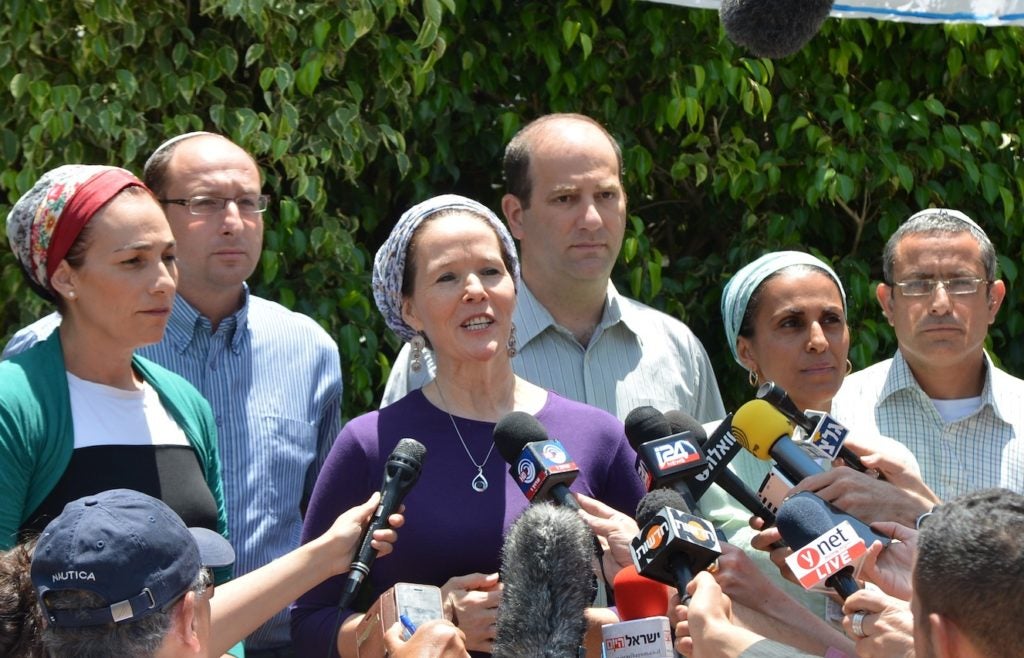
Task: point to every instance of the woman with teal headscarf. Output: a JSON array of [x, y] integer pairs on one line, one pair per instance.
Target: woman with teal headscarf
[[785, 321]]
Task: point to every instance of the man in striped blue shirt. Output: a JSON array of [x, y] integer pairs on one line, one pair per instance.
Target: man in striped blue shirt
[[941, 395], [272, 376]]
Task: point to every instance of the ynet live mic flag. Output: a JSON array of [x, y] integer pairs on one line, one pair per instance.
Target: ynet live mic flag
[[986, 12]]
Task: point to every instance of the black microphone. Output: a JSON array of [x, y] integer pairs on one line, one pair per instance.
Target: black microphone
[[765, 432], [719, 450], [672, 544], [825, 432], [804, 520], [773, 28], [401, 471], [540, 465], [548, 583], [663, 458]]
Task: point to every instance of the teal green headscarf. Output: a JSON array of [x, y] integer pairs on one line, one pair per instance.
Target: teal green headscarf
[[740, 288]]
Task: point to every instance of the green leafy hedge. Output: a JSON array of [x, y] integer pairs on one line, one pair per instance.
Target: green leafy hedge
[[357, 109]]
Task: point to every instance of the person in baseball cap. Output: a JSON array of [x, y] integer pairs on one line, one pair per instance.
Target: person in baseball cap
[[115, 572], [119, 574]]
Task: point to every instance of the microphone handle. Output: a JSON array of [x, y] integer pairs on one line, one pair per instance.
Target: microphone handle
[[560, 492], [843, 582], [680, 567], [679, 486], [853, 461], [791, 459], [397, 483], [737, 488]]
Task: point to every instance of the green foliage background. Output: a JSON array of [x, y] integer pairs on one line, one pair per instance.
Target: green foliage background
[[357, 109]]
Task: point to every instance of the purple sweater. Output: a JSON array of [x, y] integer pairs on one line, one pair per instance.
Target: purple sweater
[[450, 530]]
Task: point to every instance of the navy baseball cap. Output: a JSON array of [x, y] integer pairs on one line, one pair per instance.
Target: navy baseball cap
[[129, 548]]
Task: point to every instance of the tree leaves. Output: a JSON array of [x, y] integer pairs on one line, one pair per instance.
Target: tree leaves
[[355, 110]]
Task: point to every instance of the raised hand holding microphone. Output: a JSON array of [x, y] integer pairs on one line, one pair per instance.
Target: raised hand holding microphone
[[763, 429], [400, 473]]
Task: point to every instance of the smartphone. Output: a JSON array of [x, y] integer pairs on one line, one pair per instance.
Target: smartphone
[[419, 604]]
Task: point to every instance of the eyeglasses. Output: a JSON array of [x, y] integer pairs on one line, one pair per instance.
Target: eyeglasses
[[967, 285], [202, 585], [204, 582], [211, 205]]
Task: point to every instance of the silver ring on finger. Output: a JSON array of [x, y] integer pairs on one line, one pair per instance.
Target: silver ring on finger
[[857, 623]]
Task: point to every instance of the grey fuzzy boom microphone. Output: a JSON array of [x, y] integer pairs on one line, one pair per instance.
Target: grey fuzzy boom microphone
[[548, 584], [773, 28]]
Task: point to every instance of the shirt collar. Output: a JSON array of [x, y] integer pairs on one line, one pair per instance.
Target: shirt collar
[[186, 321], [532, 318], [901, 378]]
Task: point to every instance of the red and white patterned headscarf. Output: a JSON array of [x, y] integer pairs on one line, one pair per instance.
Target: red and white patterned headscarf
[[47, 219]]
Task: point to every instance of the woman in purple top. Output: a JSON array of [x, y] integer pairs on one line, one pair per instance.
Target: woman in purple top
[[446, 280]]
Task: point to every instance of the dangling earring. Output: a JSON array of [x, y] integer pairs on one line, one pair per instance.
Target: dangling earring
[[513, 349], [849, 366], [417, 343], [752, 378]]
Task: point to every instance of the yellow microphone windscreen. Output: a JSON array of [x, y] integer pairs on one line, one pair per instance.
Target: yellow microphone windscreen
[[757, 425]]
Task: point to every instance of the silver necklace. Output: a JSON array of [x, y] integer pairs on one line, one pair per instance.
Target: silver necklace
[[479, 482]]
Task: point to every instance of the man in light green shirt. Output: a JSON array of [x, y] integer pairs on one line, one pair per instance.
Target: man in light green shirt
[[576, 335], [941, 395]]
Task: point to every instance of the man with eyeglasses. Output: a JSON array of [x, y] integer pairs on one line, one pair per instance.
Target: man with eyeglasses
[[272, 376], [940, 395]]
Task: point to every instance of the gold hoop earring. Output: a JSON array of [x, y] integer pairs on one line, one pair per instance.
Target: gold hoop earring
[[752, 378], [849, 366]]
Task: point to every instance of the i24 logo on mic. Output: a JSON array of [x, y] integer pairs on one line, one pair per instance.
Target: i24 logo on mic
[[675, 454]]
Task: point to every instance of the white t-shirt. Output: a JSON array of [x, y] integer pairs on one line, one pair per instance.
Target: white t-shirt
[[104, 415]]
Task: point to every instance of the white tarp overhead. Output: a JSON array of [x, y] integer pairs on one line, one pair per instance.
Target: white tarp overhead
[[986, 12]]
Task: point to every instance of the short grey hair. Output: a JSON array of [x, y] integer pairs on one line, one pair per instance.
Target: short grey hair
[[942, 221], [141, 638]]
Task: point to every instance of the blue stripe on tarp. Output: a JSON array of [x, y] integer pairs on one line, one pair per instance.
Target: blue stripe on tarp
[[930, 15], [883, 12]]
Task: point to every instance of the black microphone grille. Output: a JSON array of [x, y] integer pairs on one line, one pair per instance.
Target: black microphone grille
[[645, 424], [410, 450], [514, 431], [803, 518], [680, 421], [773, 28], [654, 501]]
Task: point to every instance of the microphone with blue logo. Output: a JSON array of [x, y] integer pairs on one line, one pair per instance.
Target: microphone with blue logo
[[825, 435], [539, 464]]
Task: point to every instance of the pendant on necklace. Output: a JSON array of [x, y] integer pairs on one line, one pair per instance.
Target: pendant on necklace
[[479, 483]]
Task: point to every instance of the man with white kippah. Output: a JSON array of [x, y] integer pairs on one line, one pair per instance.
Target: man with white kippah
[[272, 376], [941, 395]]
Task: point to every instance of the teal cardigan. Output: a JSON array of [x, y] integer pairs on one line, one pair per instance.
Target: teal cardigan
[[37, 434]]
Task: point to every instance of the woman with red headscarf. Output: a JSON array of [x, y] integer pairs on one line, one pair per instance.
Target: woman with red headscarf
[[80, 413]]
